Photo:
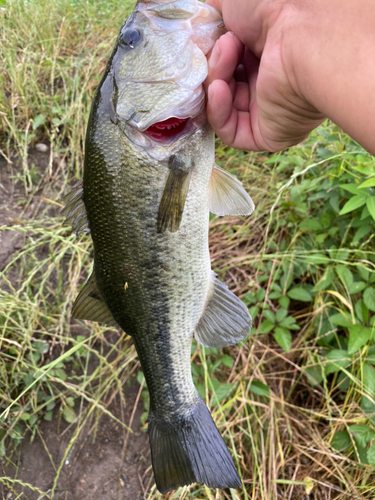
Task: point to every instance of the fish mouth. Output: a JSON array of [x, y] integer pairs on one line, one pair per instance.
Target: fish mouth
[[168, 129]]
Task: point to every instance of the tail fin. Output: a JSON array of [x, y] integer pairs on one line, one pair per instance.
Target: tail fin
[[190, 450]]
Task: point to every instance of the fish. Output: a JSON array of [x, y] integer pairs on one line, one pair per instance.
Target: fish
[[149, 184]]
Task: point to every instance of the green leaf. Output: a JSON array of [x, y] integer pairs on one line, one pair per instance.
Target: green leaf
[[300, 294], [281, 314], [365, 213], [369, 298], [41, 347], [325, 220], [201, 389], [266, 326], [254, 311], [321, 237], [51, 404], [259, 388], [364, 273], [227, 361], [33, 419], [354, 203], [370, 203], [69, 414], [25, 416], [39, 120], [344, 274], [358, 336], [343, 382], [361, 311], [315, 374], [362, 434], [341, 441], [290, 323], [362, 454], [286, 280], [317, 258], [141, 379], [371, 455], [368, 377], [311, 225], [284, 302], [351, 188], [367, 405], [356, 287], [341, 254], [367, 184], [334, 202], [340, 320], [249, 299], [361, 232], [339, 359], [284, 338], [222, 391], [70, 401], [269, 315], [325, 280], [48, 416]]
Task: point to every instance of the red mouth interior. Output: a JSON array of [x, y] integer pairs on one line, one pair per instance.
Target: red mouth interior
[[167, 128]]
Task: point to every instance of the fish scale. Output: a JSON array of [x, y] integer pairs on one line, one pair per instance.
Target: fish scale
[[146, 203], [172, 261]]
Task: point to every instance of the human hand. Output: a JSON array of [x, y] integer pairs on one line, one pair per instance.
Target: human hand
[[253, 97]]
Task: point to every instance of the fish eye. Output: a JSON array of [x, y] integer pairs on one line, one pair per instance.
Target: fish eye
[[131, 37]]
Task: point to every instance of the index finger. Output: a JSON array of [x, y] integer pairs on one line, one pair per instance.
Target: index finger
[[225, 58], [215, 3]]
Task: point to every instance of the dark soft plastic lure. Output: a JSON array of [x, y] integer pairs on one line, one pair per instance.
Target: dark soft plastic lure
[[148, 186]]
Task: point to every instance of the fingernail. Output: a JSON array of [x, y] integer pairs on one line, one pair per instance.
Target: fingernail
[[215, 56], [209, 93]]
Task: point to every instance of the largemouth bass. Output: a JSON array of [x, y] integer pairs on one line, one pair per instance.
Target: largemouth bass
[[149, 183]]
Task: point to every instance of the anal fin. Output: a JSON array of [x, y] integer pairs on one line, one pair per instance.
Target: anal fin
[[227, 195], [75, 210], [173, 200], [225, 321], [90, 306]]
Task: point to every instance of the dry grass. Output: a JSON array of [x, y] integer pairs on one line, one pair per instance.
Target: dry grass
[[52, 59]]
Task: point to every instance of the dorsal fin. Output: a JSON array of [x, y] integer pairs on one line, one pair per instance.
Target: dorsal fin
[[225, 320], [75, 210], [90, 306], [227, 195]]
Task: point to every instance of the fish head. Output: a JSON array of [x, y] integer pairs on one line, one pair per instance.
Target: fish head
[[158, 68]]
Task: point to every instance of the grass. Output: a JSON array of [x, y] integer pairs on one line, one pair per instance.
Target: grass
[[295, 402]]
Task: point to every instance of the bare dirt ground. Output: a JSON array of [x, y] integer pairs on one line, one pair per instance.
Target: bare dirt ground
[[106, 462]]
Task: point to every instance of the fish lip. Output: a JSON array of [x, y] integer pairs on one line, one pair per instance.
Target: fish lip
[[193, 114], [191, 126]]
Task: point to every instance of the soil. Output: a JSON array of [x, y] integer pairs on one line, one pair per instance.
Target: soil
[[106, 462]]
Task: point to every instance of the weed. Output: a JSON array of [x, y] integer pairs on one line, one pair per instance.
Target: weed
[[294, 402]]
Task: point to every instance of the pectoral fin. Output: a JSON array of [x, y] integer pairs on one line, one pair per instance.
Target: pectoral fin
[[227, 195], [173, 200], [75, 210], [225, 321], [89, 305]]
